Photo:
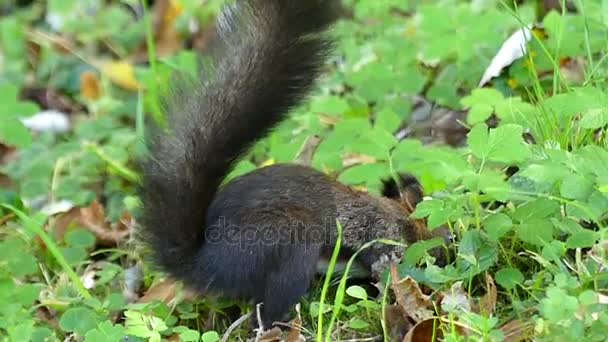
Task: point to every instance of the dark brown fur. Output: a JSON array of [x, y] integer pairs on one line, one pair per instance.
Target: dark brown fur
[[258, 238]]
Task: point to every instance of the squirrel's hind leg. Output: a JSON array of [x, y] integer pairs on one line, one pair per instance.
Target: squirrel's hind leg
[[287, 283]]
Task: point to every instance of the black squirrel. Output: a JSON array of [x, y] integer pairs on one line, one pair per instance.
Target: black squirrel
[[260, 236]]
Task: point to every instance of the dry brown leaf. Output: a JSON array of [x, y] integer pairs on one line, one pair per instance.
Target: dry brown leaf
[[272, 335], [487, 304], [174, 338], [120, 73], [397, 322], [50, 99], [93, 219], [295, 333], [167, 292], [425, 331], [447, 127], [456, 300], [307, 151], [573, 70], [168, 39], [416, 304], [516, 331], [357, 159], [328, 120], [90, 86]]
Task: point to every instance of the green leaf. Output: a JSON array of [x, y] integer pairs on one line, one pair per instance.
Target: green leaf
[[74, 255], [594, 118], [27, 294], [332, 105], [490, 182], [15, 254], [536, 231], [476, 253], [509, 278], [588, 297], [503, 144], [21, 332], [481, 103], [187, 335], [497, 225], [577, 187], [415, 252], [554, 251], [358, 324], [106, 331], [210, 336], [536, 209], [80, 238], [361, 174], [12, 132], [42, 334], [558, 305], [584, 238], [438, 211], [356, 291], [79, 320], [387, 120]]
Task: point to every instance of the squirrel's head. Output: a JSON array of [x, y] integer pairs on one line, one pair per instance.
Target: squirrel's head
[[408, 192], [405, 189]]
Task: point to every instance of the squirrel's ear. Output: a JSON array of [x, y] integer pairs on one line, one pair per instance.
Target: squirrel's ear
[[390, 189], [410, 190], [405, 189]]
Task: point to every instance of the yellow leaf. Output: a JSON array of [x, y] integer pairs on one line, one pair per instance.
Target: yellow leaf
[[121, 73], [90, 87], [173, 12], [268, 162], [512, 83]]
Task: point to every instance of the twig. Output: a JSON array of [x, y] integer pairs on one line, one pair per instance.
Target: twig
[[235, 325], [260, 329]]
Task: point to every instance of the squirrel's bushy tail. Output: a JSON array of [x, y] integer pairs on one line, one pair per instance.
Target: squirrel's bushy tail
[[267, 56]]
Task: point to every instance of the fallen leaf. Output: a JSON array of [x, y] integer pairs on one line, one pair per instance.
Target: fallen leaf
[[48, 121], [307, 151], [93, 219], [133, 282], [573, 70], [397, 322], [272, 335], [456, 300], [487, 304], [511, 50], [90, 86], [295, 333], [357, 159], [415, 304], [447, 126], [58, 207], [167, 291], [516, 331], [425, 331], [168, 39], [50, 99], [120, 73], [328, 120]]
